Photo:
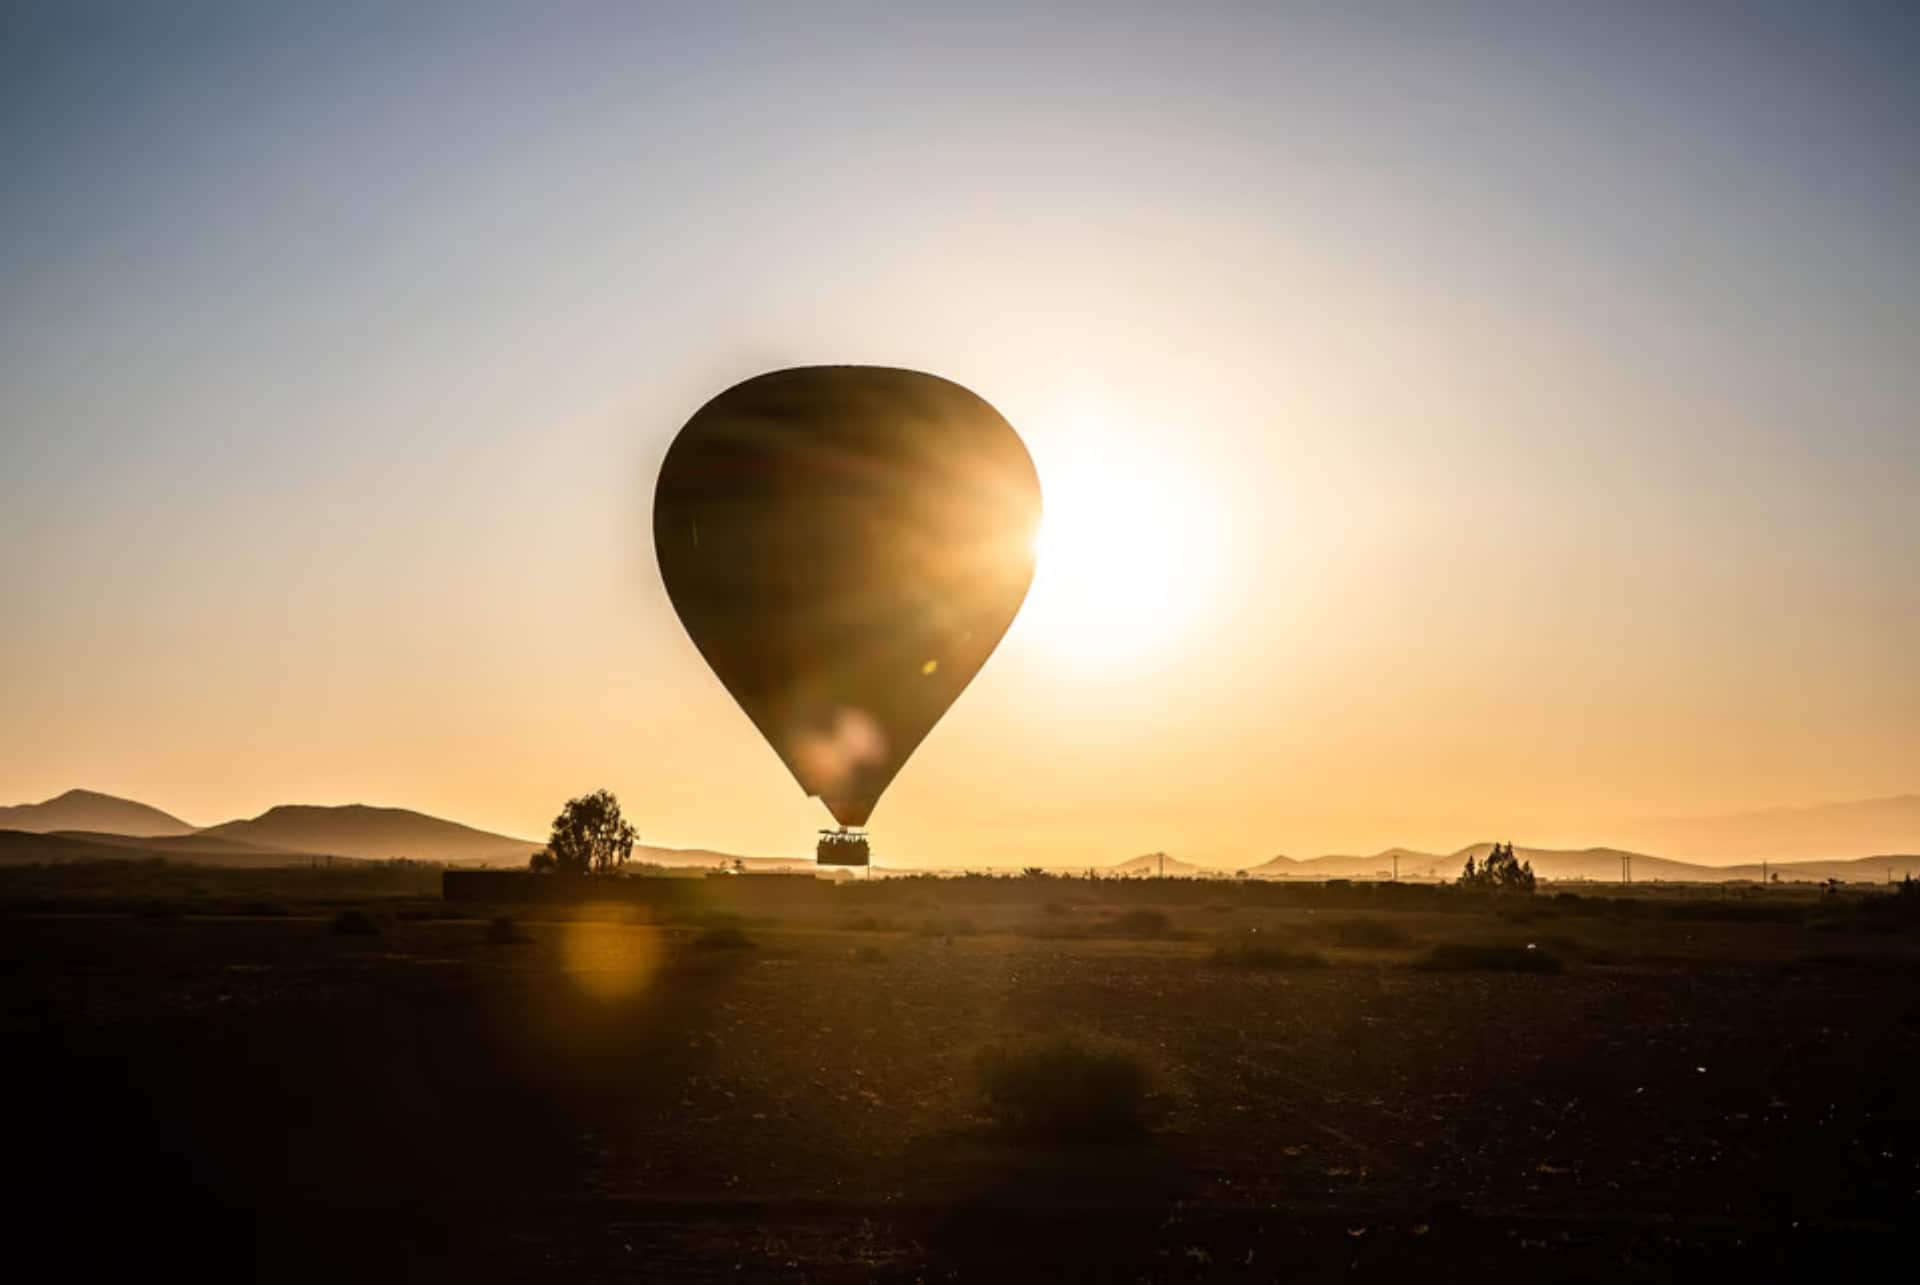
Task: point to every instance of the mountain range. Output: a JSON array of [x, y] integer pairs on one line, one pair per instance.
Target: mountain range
[[88, 811], [83, 825], [357, 830], [1153, 864], [1584, 865]]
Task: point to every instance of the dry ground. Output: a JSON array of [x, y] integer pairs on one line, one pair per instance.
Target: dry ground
[[609, 1099]]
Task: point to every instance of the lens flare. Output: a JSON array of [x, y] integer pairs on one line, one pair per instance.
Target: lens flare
[[606, 956]]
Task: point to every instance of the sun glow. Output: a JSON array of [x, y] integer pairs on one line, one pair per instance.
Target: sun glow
[[1125, 552]]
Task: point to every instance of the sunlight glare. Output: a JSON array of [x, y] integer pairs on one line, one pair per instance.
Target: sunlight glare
[[1124, 551]]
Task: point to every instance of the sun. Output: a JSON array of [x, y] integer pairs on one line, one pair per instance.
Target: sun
[[1123, 555]]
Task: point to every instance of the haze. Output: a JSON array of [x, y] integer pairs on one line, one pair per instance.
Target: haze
[[1448, 432]]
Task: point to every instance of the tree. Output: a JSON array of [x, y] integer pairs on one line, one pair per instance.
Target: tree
[[589, 837], [1501, 872]]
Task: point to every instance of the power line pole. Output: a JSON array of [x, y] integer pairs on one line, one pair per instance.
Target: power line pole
[[1626, 867], [1396, 867]]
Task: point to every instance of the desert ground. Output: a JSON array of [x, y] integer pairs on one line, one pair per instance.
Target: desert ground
[[339, 1074]]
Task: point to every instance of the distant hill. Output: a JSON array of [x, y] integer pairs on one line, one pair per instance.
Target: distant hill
[[19, 848], [197, 844], [1876, 869], [85, 825], [1822, 832], [1413, 865], [1602, 865], [90, 811], [1588, 865], [1153, 863], [356, 830], [1593, 865]]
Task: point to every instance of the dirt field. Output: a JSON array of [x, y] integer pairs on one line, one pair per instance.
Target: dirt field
[[611, 1096]]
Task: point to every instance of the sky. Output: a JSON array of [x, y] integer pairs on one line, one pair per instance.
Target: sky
[[1455, 420]]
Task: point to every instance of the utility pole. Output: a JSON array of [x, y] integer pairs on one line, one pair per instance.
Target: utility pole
[[1163, 865], [1626, 867], [1396, 868]]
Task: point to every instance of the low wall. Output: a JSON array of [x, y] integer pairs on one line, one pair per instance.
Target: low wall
[[729, 892]]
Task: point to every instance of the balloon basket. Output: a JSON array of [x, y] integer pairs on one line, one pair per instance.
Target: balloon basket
[[843, 847]]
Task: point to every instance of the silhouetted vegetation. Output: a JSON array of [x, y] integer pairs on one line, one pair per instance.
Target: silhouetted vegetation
[[1066, 1085], [1499, 873], [1249, 952], [503, 931], [355, 923], [1363, 934], [1489, 957], [947, 926], [1147, 921], [1574, 948], [722, 937], [1889, 965], [589, 837]]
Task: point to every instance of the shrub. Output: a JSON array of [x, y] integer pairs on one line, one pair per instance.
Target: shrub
[[503, 931], [1266, 955], [947, 926], [1053, 929], [355, 923], [724, 937], [1364, 933], [1884, 965], [1490, 957], [1146, 922], [1574, 948], [1066, 1085]]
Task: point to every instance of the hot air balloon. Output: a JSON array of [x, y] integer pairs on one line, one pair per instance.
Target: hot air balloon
[[846, 545]]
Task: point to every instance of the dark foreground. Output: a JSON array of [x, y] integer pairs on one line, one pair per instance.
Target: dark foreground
[[258, 1094]]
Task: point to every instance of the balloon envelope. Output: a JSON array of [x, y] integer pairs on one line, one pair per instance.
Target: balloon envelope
[[846, 545]]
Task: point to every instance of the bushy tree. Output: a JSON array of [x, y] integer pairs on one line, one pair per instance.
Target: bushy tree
[[589, 837], [1501, 872]]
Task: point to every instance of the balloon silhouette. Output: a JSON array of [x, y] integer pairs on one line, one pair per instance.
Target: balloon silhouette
[[846, 545]]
